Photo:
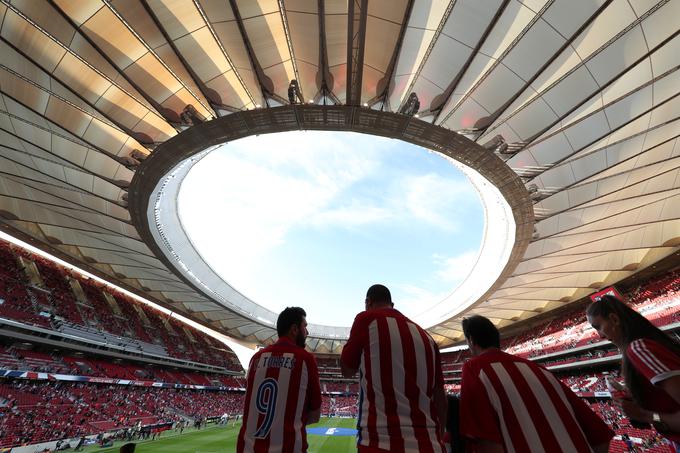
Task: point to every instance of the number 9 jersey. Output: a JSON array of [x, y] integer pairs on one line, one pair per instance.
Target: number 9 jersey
[[283, 387]]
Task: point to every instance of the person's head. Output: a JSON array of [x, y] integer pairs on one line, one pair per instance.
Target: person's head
[[292, 323], [620, 324], [127, 448], [378, 296], [617, 322], [480, 334]]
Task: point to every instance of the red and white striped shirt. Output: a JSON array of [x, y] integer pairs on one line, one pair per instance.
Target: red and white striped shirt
[[522, 406], [655, 363], [283, 387], [399, 369]]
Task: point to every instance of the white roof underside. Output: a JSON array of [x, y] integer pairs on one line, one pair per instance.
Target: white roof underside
[[589, 94]]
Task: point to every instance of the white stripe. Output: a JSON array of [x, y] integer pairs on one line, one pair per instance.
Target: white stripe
[[365, 405], [399, 386], [422, 381], [430, 343], [560, 392], [376, 378], [276, 433], [662, 377], [251, 423], [635, 347], [496, 403], [548, 408], [519, 408], [661, 366], [304, 384]]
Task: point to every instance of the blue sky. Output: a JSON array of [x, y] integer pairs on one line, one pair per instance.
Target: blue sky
[[314, 218]]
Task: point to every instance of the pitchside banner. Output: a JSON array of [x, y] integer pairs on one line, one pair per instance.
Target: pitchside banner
[[34, 375], [611, 291]]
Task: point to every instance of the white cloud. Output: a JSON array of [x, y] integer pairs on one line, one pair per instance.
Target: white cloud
[[270, 192], [437, 200], [455, 269], [412, 300], [356, 214]]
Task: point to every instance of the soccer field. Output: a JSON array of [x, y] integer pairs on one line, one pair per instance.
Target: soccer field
[[223, 440]]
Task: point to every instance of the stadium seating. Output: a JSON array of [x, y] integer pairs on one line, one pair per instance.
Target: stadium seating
[[32, 411], [113, 319]]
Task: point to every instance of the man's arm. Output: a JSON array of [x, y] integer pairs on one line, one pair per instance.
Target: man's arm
[[351, 352], [602, 448], [484, 446], [597, 432], [440, 405], [313, 392], [346, 371], [313, 416], [670, 419]]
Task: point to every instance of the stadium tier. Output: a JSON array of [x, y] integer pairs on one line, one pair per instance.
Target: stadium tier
[[35, 411], [36, 292]]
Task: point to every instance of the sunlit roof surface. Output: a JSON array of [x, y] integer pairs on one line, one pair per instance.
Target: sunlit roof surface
[[585, 98]]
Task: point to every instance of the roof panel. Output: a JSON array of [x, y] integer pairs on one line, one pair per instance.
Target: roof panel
[[605, 161]]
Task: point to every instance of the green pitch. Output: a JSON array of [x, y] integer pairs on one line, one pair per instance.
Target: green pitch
[[222, 439]]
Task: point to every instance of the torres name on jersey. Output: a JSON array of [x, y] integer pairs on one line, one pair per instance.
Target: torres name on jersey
[[283, 387]]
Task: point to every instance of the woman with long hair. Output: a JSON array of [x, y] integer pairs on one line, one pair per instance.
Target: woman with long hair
[[651, 365]]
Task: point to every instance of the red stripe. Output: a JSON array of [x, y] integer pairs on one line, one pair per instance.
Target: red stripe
[[240, 445], [295, 387], [370, 397], [411, 389], [429, 360], [568, 420], [519, 443], [393, 423], [539, 420]]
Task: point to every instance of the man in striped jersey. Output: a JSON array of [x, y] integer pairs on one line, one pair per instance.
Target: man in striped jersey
[[402, 404], [283, 393], [511, 404]]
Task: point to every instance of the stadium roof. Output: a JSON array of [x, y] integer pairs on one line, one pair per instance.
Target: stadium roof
[[584, 99]]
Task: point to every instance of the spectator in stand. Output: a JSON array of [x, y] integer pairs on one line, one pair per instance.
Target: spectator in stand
[[403, 404], [651, 365], [511, 404], [283, 393]]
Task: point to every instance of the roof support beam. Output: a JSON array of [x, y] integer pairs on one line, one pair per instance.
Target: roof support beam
[[388, 79], [61, 181], [111, 121], [440, 101], [291, 51], [643, 59], [70, 164], [324, 74], [266, 84], [545, 66], [158, 58], [611, 131], [53, 205], [356, 43], [164, 112], [85, 142], [197, 80]]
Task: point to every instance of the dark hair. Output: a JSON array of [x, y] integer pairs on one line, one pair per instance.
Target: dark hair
[[634, 326], [481, 331], [289, 317], [379, 294], [127, 448]]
